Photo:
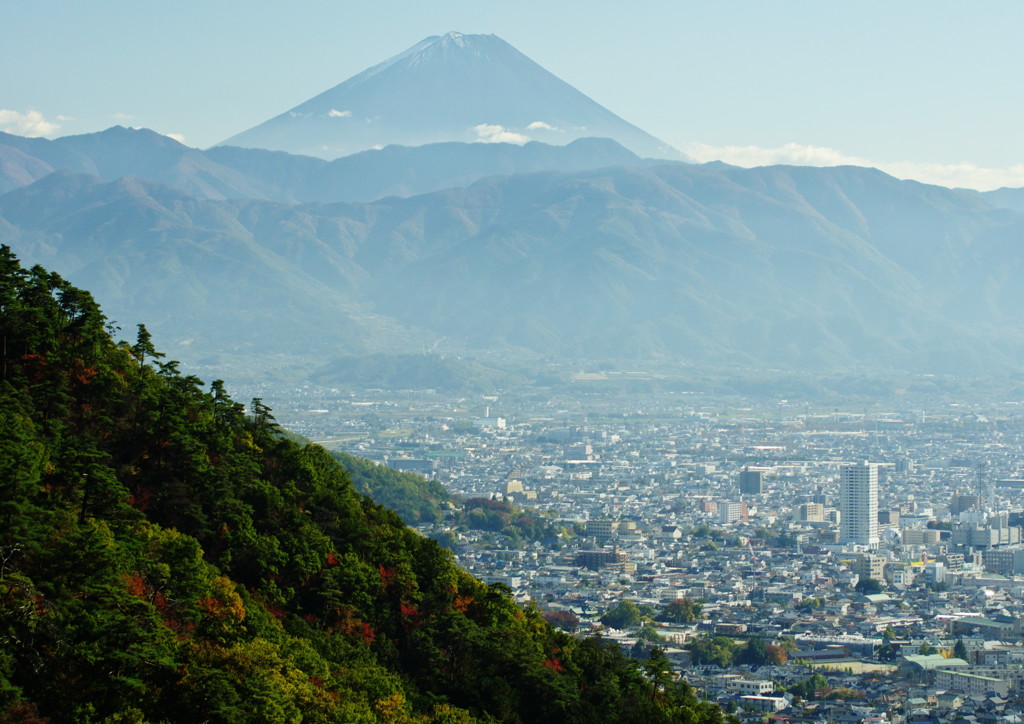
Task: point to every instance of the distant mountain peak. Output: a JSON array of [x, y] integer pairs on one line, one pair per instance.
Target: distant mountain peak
[[455, 37], [451, 87]]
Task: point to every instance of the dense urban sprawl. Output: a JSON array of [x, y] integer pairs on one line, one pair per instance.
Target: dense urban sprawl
[[714, 530]]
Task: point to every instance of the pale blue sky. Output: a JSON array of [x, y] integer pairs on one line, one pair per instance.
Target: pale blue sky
[[929, 90]]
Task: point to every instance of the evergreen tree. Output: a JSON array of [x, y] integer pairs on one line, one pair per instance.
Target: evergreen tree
[[960, 649]]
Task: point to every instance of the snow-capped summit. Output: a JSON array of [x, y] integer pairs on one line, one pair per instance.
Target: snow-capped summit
[[454, 87]]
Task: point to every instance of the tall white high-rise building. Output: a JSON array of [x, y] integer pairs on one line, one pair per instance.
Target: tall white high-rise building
[[858, 501]]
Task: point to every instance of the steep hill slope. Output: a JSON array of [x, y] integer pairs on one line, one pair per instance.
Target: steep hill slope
[[165, 557]]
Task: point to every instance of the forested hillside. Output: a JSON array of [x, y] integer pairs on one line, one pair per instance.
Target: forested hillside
[[165, 556], [416, 499]]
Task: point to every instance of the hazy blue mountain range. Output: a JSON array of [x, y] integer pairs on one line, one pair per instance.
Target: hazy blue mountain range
[[119, 152], [803, 268], [453, 87], [227, 172], [1004, 198]]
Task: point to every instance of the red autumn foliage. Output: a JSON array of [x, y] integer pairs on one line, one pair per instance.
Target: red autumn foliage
[[352, 625], [210, 605], [565, 620], [274, 611], [25, 712], [82, 373], [35, 367], [140, 498], [332, 559], [182, 632], [368, 633], [553, 664], [161, 603], [387, 576], [777, 655], [135, 585]]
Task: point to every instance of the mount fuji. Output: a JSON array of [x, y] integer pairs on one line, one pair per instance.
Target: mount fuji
[[455, 87]]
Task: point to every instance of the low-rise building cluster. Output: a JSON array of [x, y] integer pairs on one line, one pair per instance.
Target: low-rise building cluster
[[668, 497]]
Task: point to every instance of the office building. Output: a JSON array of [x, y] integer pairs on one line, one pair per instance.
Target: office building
[[732, 512], [811, 513], [751, 482], [869, 566], [858, 500]]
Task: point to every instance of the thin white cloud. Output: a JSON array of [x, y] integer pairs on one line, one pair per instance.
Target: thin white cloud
[[32, 124], [540, 126], [334, 113], [791, 153], [123, 117], [952, 175], [494, 133], [958, 175], [179, 137]]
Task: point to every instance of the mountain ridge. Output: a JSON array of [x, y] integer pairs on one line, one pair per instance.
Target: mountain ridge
[[792, 267], [226, 172]]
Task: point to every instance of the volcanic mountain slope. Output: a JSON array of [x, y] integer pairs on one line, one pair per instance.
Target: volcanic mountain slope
[[449, 88], [794, 267]]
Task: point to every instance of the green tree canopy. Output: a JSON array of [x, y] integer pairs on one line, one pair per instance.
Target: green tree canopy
[[717, 650], [868, 585], [960, 649], [623, 615], [681, 610]]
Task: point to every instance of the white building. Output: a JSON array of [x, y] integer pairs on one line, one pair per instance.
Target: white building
[[732, 512], [971, 683], [769, 704], [858, 500], [751, 687]]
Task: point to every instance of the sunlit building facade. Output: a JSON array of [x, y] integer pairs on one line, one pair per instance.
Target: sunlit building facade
[[858, 500]]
